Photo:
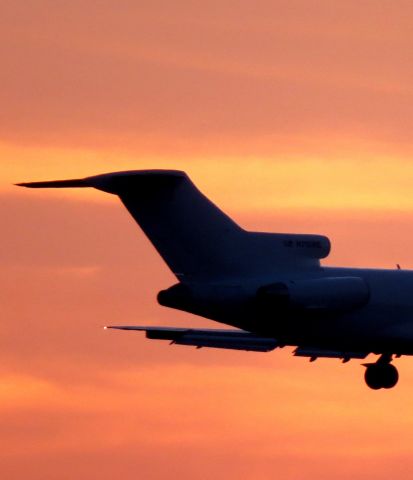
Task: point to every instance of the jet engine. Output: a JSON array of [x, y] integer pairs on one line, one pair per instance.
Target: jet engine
[[328, 294]]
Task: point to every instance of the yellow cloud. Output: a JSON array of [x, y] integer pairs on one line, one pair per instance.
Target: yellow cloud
[[247, 185]]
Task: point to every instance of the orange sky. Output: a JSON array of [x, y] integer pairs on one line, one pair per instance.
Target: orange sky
[[292, 116]]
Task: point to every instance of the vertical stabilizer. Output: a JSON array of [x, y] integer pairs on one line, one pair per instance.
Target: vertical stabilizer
[[194, 237]]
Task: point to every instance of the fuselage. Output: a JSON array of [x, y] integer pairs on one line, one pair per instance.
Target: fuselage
[[383, 324]]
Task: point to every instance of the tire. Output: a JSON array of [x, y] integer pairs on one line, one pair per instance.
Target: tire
[[390, 376], [381, 376], [372, 377]]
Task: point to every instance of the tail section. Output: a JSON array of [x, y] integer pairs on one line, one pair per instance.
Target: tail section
[[194, 237]]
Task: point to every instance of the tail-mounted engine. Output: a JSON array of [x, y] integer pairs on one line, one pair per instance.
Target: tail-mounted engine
[[327, 294]]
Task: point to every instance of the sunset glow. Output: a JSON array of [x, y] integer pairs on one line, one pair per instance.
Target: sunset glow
[[291, 116]]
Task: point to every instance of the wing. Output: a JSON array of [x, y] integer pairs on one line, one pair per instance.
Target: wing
[[314, 353], [233, 340], [213, 338]]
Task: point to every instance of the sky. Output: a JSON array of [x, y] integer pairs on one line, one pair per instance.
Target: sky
[[293, 116]]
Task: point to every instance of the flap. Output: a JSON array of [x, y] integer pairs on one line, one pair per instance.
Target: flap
[[212, 338]]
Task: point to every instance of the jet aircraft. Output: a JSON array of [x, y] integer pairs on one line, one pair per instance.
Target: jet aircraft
[[270, 286]]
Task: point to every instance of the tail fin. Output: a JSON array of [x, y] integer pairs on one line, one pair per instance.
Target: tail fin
[[194, 237]]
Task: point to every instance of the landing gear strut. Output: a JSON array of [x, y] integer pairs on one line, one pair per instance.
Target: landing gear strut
[[381, 374]]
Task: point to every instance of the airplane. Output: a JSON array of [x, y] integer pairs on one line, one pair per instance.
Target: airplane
[[270, 286]]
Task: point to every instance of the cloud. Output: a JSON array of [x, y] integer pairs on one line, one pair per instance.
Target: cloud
[[292, 116], [225, 422], [156, 79]]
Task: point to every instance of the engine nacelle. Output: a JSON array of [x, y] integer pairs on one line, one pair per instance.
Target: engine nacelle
[[208, 300], [328, 294]]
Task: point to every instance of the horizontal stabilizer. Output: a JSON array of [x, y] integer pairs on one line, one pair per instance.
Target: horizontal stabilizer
[[75, 183], [212, 338], [117, 183]]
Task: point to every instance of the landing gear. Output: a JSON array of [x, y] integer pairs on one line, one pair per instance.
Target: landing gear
[[381, 374]]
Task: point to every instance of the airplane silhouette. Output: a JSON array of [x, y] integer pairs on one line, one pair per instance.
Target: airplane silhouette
[[270, 286]]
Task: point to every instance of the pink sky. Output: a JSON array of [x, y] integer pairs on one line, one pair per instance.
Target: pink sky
[[292, 116]]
